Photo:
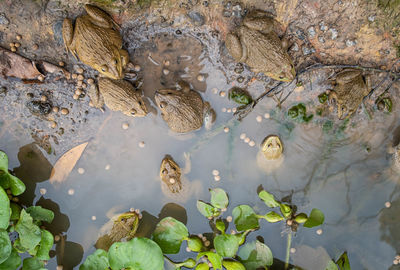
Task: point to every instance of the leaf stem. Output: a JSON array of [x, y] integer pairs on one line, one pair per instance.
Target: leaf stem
[[289, 243]]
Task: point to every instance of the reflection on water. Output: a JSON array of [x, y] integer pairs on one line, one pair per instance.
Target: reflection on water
[[341, 170]]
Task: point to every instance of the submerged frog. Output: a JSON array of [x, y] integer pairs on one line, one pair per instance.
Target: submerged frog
[[396, 159], [96, 42], [173, 182], [184, 110], [118, 95], [349, 91], [270, 156], [256, 44]]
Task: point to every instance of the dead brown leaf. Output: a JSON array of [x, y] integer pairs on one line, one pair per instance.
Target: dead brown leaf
[[55, 69], [14, 65], [66, 163]]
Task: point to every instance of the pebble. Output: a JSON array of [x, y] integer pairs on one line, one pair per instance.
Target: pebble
[[229, 110], [226, 129], [165, 71], [319, 231], [252, 143], [242, 136], [94, 218], [59, 267], [292, 250], [57, 238], [61, 63], [311, 31], [247, 140], [167, 63], [90, 81], [141, 144], [35, 47], [78, 91], [217, 178], [267, 116], [107, 167], [16, 44], [299, 88], [3, 19], [125, 126], [334, 33], [234, 110], [223, 109], [13, 49], [396, 262], [71, 191], [64, 111], [81, 170], [74, 76], [75, 96], [233, 231], [12, 44], [53, 124], [388, 204], [55, 109], [41, 78], [259, 118], [215, 91], [222, 94], [79, 83], [43, 98], [136, 68], [207, 243], [79, 70], [172, 180], [215, 172], [229, 218], [188, 249], [84, 85], [18, 37], [200, 78], [43, 191], [80, 77]]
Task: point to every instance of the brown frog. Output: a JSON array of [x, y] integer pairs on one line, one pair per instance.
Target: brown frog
[[118, 95], [349, 91], [184, 110], [96, 42], [256, 44], [270, 156]]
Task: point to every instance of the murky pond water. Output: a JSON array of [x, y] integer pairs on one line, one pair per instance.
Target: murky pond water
[[344, 171]]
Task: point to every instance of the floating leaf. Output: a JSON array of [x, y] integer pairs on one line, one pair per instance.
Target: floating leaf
[[138, 253], [214, 258], [3, 162], [272, 217], [316, 218], [15, 211], [13, 261], [219, 198], [5, 245], [286, 210], [239, 96], [17, 186], [226, 245], [202, 266], [195, 244], [301, 218], [331, 266], [66, 163], [293, 112], [14, 65], [233, 265], [245, 218], [33, 264], [169, 234], [97, 260], [220, 225], [4, 209], [343, 262], [255, 255], [39, 213], [322, 98], [46, 243], [29, 233], [189, 263], [207, 210], [268, 199]]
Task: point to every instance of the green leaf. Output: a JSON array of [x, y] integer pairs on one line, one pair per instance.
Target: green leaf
[[5, 212], [331, 266], [96, 261], [39, 213], [189, 263], [202, 266], [268, 199], [13, 261], [138, 254], [219, 198], [46, 243], [302, 109], [316, 218], [240, 96], [29, 233], [323, 98], [220, 225], [343, 262], [5, 245], [255, 255], [3, 162], [195, 244], [293, 112], [214, 258], [15, 211], [245, 218], [32, 264], [286, 210], [169, 234], [226, 245], [233, 265], [207, 210], [272, 217], [17, 186], [301, 218], [4, 179]]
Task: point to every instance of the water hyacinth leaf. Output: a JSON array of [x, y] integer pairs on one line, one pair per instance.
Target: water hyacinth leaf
[[169, 235], [273, 217], [233, 265], [331, 266], [220, 225], [29, 233], [4, 180], [202, 266], [245, 218], [315, 218], [12, 262], [95, 261], [15, 211], [219, 198], [195, 244], [39, 213], [226, 245], [268, 199], [255, 255], [214, 258], [46, 243], [286, 210], [33, 264], [207, 210], [301, 218], [343, 262], [3, 162], [5, 245], [5, 212], [17, 186], [138, 253], [189, 263]]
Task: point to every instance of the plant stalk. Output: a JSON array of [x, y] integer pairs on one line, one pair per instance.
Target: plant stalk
[[289, 243]]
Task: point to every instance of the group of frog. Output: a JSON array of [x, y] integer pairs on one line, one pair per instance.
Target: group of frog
[[96, 41]]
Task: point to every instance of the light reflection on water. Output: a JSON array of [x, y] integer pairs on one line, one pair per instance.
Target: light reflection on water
[[333, 173]]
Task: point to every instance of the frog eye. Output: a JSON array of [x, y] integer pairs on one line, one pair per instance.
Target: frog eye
[[104, 68], [115, 61], [164, 171], [140, 103], [173, 168], [163, 104], [281, 77], [133, 112]]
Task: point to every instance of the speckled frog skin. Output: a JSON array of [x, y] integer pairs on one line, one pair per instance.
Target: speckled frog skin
[[95, 41], [256, 44], [183, 110], [349, 91], [118, 95]]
